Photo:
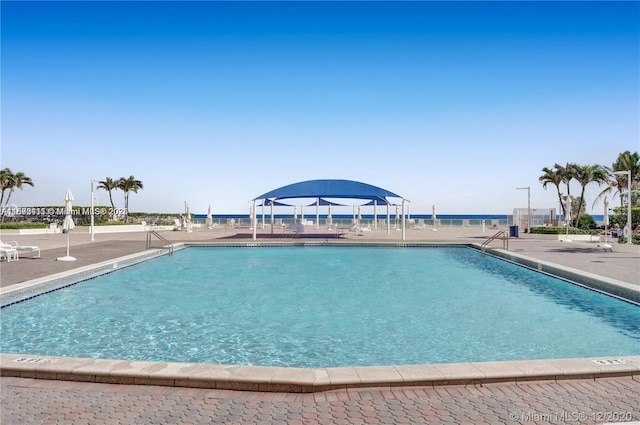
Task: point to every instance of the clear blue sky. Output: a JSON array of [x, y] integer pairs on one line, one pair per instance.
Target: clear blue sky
[[454, 103]]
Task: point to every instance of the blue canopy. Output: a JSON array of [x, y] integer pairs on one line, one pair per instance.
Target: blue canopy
[[348, 189], [269, 202], [324, 202], [379, 202]]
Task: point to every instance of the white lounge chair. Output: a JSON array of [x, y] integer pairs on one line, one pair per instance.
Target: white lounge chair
[[9, 253], [33, 250]]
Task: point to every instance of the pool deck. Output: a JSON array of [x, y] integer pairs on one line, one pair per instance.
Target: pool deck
[[491, 392]]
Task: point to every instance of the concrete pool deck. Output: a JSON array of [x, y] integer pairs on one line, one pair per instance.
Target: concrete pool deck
[[620, 266], [580, 255]]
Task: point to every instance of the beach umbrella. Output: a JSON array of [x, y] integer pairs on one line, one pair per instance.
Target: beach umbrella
[[567, 207], [209, 218], [433, 217], [188, 215], [68, 223]]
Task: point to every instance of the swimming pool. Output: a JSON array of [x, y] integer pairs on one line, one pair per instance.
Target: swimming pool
[[323, 306]]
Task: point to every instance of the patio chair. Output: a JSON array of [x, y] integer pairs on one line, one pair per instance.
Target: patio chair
[[9, 253], [33, 250]]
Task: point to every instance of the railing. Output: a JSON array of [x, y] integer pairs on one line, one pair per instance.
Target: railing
[[159, 236], [505, 240]]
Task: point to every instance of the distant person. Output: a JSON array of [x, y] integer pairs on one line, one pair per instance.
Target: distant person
[[615, 232]]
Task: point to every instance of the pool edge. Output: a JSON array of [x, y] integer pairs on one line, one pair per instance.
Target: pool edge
[[617, 288], [303, 380]]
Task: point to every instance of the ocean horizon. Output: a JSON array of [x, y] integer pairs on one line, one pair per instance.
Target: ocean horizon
[[597, 218]]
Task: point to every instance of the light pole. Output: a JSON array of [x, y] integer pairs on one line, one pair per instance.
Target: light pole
[[92, 209], [628, 173], [528, 206], [567, 214]]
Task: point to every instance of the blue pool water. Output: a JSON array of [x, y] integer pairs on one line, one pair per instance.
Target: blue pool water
[[323, 306]]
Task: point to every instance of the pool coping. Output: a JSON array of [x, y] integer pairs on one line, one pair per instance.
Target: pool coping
[[304, 380]]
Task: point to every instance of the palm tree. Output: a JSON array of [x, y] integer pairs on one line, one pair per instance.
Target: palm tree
[[553, 177], [12, 181], [109, 184], [586, 174], [557, 176], [129, 185], [567, 173], [6, 181], [625, 161]]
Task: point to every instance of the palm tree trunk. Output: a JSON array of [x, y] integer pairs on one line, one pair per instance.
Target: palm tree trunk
[[9, 197], [580, 205], [564, 213], [113, 207], [126, 207]]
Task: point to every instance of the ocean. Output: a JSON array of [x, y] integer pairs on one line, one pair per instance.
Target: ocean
[[596, 217]]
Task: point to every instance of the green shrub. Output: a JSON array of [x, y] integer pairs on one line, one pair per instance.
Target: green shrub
[[18, 225], [559, 230], [635, 239], [586, 222]]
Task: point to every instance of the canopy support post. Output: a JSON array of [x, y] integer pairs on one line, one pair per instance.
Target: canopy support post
[[404, 236], [254, 222], [375, 214], [388, 220]]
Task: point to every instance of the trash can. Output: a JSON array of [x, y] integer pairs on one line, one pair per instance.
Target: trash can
[[513, 231]]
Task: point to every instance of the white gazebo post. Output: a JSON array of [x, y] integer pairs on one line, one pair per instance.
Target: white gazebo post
[[253, 219], [627, 231], [397, 214], [403, 222], [272, 223], [375, 214], [263, 213], [318, 214], [388, 220]]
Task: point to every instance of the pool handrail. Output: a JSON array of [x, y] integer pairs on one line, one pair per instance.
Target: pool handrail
[[505, 240], [168, 244]]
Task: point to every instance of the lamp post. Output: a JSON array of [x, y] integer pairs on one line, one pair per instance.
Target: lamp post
[[628, 173], [528, 188], [92, 208]]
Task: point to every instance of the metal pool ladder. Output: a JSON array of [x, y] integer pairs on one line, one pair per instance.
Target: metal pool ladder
[[505, 240], [162, 238]]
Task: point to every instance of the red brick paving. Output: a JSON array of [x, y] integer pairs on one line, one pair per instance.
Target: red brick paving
[[30, 401]]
